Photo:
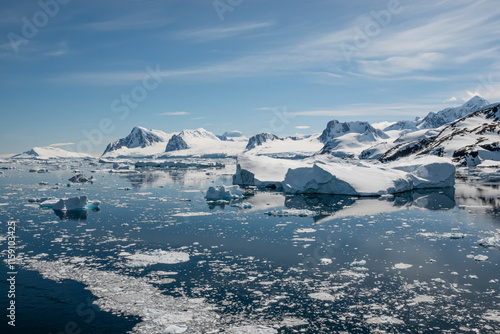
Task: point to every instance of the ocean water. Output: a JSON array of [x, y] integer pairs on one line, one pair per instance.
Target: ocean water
[[405, 263]]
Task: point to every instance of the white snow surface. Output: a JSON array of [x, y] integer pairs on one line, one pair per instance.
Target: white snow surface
[[49, 152], [68, 204], [157, 256]]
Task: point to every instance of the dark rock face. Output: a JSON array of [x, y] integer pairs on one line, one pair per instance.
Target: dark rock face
[[260, 139]]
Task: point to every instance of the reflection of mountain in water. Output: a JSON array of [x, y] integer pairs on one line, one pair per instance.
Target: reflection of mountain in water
[[200, 178], [478, 195]]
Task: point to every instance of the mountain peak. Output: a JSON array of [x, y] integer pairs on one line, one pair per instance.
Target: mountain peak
[[138, 137], [336, 129]]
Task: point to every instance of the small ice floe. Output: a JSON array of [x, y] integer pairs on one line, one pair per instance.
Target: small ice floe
[[191, 214], [492, 315], [68, 204], [292, 212], [305, 230], [243, 205], [384, 319], [454, 235], [40, 199], [402, 266], [43, 183], [157, 256], [175, 329], [360, 263], [421, 299], [481, 258], [80, 178], [325, 261], [490, 242], [124, 188], [255, 329], [223, 193], [324, 296]]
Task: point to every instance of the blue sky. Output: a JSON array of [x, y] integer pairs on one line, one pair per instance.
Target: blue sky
[[88, 71]]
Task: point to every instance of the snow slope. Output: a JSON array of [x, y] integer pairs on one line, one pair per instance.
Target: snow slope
[[289, 147], [49, 152], [201, 143], [469, 141]]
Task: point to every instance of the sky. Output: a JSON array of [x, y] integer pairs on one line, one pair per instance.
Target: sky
[[80, 74]]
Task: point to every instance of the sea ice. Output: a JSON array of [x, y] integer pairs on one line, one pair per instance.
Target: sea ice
[[257, 329], [402, 266], [223, 193], [481, 258], [490, 242], [292, 212], [157, 256], [68, 204]]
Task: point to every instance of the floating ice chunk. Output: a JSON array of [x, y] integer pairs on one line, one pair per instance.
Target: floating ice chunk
[[325, 261], [385, 320], [68, 204], [80, 178], [157, 256], [223, 193], [292, 212], [40, 199], [324, 296], [481, 258], [492, 315], [191, 214], [257, 329], [454, 235], [175, 329], [490, 242], [358, 263], [305, 230], [244, 205], [422, 299], [402, 266]]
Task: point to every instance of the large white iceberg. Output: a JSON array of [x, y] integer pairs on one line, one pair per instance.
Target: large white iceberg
[[369, 180], [69, 204], [321, 175]]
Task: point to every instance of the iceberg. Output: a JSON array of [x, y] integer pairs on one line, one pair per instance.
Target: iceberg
[[223, 193], [69, 204], [367, 179]]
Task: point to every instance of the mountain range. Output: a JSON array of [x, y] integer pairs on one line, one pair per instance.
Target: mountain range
[[468, 134]]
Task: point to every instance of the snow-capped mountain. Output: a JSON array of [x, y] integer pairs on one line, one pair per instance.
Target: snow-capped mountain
[[260, 139], [139, 137], [468, 141], [297, 146], [233, 136], [49, 152], [189, 138], [200, 142], [349, 139], [336, 129], [435, 120]]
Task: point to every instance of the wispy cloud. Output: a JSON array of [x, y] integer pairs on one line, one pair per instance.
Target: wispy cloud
[[402, 109], [302, 127], [62, 144], [211, 34], [174, 113]]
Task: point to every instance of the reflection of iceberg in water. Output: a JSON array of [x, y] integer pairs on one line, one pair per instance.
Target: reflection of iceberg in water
[[342, 206], [72, 215], [346, 206]]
